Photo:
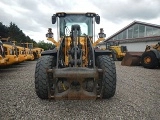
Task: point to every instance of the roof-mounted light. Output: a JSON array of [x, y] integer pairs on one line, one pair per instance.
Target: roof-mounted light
[[61, 14], [90, 14]]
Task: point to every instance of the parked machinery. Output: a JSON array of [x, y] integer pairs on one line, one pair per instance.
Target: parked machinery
[[151, 56], [10, 52], [118, 52], [21, 54], [37, 52], [3, 59], [74, 69], [28, 50]]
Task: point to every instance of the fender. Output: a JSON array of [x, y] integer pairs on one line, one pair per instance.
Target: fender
[[50, 52], [102, 52], [156, 52]]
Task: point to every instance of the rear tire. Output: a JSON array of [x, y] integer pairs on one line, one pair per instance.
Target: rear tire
[[153, 63], [108, 80], [43, 81]]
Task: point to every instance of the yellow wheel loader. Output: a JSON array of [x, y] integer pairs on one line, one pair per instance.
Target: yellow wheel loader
[[3, 59], [151, 57], [29, 54], [10, 54], [118, 52], [10, 51], [21, 54], [74, 69], [33, 53], [37, 52]]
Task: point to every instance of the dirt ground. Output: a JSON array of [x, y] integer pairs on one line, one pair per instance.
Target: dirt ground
[[137, 97]]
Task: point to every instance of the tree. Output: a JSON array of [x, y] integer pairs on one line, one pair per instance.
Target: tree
[[45, 46], [3, 30]]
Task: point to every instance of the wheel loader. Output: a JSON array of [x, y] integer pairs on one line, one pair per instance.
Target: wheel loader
[[118, 52], [3, 59], [37, 52], [29, 54], [74, 69], [10, 54], [21, 54], [10, 51], [28, 50], [151, 56]]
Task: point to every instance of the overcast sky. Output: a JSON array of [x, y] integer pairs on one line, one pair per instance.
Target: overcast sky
[[34, 16]]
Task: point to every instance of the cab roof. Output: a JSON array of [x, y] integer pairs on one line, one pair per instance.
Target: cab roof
[[75, 12]]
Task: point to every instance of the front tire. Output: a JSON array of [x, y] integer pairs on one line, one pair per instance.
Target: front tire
[[44, 80], [149, 60], [108, 80]]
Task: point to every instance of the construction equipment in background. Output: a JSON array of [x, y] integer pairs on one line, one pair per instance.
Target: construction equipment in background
[[32, 53], [28, 50], [37, 52], [74, 69], [151, 56], [21, 54], [10, 52], [132, 59], [118, 52], [3, 59]]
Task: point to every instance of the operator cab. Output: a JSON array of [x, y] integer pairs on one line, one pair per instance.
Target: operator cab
[[67, 21]]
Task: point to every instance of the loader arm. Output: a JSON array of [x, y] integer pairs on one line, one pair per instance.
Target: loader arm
[[53, 41], [98, 41]]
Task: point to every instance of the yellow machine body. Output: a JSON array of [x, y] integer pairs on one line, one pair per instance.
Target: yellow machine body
[[75, 69]]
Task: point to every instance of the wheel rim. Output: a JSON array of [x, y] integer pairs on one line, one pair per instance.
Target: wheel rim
[[147, 60]]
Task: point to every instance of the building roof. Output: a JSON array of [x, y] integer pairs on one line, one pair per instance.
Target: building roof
[[131, 24]]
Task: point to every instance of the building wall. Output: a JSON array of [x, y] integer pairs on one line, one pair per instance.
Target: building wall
[[138, 46]]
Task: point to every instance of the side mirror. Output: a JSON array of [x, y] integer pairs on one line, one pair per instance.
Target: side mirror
[[97, 18], [53, 19]]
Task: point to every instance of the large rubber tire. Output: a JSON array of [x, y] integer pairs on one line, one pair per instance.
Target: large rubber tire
[[153, 63], [108, 81], [44, 82]]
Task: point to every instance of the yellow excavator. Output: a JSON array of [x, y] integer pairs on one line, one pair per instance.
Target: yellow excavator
[[74, 69]]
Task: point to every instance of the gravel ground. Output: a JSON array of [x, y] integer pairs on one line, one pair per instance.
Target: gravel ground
[[137, 97]]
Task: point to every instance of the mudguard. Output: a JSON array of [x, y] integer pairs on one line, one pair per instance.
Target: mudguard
[[102, 52], [49, 52], [156, 52]]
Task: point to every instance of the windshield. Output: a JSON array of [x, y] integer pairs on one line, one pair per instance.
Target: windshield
[[80, 19]]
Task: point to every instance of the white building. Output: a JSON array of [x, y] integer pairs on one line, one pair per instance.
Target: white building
[[136, 36]]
